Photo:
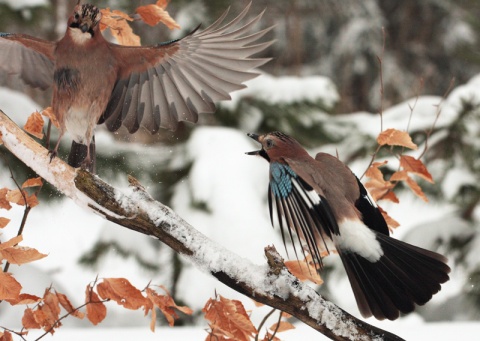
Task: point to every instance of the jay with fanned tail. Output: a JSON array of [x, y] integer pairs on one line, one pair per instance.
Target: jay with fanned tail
[[155, 87], [326, 206]]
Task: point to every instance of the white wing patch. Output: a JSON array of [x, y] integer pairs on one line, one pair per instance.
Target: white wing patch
[[311, 197], [370, 199], [356, 237]]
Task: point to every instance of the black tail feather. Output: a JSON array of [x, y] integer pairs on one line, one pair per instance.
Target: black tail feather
[[404, 276], [78, 153]]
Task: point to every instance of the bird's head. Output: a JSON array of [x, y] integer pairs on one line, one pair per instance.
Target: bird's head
[[276, 146], [84, 21]]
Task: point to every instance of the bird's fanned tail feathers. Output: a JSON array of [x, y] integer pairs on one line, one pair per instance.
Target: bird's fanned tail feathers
[[404, 276]]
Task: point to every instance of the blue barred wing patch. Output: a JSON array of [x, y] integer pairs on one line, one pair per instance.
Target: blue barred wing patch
[[281, 179]]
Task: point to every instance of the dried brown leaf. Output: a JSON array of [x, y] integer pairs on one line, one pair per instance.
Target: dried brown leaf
[[7, 336], [284, 326], [119, 27], [28, 320], [4, 222], [377, 186], [34, 125], [25, 299], [391, 223], [11, 242], [96, 310], [9, 287], [121, 291], [153, 14], [4, 203], [394, 137], [303, 270], [48, 112], [21, 255], [228, 318], [67, 305], [33, 182], [412, 165], [166, 304], [415, 187]]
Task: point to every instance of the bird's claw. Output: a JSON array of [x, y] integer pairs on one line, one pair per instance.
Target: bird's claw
[[53, 154]]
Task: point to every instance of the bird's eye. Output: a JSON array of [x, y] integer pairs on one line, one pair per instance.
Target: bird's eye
[[76, 16], [268, 143]]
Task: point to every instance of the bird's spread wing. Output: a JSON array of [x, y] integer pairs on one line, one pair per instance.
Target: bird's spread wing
[[30, 58], [300, 209], [159, 86]]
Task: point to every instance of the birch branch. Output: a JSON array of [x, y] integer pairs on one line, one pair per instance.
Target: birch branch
[[271, 284]]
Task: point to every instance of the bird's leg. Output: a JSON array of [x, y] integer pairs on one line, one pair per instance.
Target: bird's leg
[[54, 152], [87, 163]]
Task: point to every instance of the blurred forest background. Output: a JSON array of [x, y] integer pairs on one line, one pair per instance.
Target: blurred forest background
[[337, 46]]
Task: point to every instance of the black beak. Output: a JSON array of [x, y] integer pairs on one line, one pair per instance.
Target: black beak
[[255, 137], [84, 28]]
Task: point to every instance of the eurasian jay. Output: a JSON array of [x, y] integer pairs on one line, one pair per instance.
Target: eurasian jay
[[155, 87], [326, 205]]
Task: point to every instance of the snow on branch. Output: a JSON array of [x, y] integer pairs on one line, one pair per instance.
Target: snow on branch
[[271, 284]]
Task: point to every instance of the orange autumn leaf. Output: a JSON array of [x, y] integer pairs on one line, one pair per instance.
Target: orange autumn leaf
[[9, 287], [15, 196], [28, 320], [119, 27], [96, 310], [121, 291], [153, 14], [11, 242], [394, 137], [4, 203], [4, 222], [391, 196], [283, 326], [20, 255], [303, 270], [391, 223], [412, 165], [67, 305], [34, 125], [229, 320], [166, 304], [48, 112], [6, 336], [416, 189], [24, 299], [377, 186], [33, 182]]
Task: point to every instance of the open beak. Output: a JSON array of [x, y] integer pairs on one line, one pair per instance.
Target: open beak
[[255, 137]]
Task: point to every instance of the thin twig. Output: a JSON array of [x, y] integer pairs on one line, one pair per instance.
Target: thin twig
[[25, 212], [14, 332], [380, 112], [437, 116], [278, 326], [263, 322]]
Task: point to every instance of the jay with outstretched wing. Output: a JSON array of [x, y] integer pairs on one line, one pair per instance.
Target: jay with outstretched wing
[[95, 81]]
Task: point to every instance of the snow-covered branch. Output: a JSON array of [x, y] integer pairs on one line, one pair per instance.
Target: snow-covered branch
[[135, 209]]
